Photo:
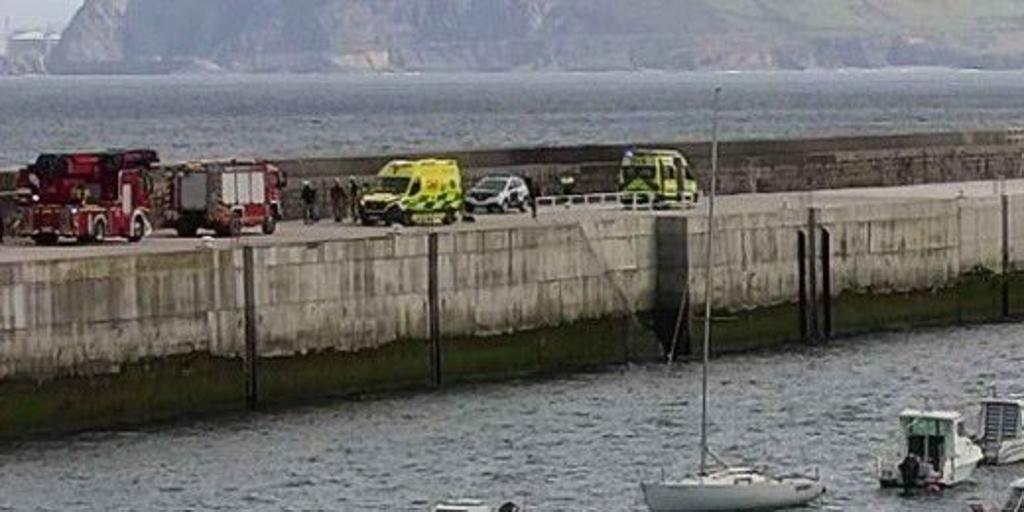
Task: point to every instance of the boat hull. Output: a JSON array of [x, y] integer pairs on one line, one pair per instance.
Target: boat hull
[[891, 477], [1006, 452], [709, 498]]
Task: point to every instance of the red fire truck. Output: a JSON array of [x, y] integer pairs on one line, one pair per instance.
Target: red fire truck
[[225, 197], [88, 197]]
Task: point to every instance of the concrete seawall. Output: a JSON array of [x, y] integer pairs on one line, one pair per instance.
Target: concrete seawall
[[144, 335], [87, 341]]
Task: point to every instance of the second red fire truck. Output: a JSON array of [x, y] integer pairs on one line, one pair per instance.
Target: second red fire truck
[[225, 197]]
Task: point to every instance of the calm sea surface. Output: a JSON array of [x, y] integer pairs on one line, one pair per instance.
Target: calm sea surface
[[580, 443], [190, 116]]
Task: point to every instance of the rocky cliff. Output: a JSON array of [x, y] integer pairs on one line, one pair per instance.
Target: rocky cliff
[[441, 35]]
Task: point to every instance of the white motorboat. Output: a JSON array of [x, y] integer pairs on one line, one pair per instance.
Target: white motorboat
[[936, 452], [1000, 433], [730, 488], [474, 506]]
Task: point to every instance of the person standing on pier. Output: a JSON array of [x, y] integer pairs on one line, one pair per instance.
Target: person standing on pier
[[531, 188], [338, 200], [354, 197], [309, 202]]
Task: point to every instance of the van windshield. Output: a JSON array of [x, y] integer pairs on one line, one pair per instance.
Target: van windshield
[[632, 172], [491, 185], [391, 185]]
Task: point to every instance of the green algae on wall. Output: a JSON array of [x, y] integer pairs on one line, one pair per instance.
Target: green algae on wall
[[139, 393], [396, 366]]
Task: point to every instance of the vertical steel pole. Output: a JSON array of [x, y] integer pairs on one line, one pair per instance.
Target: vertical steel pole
[[708, 255]]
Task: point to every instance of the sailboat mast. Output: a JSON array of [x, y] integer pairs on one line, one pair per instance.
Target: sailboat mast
[[710, 252]]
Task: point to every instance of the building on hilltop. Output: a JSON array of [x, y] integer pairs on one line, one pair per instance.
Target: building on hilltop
[[27, 51]]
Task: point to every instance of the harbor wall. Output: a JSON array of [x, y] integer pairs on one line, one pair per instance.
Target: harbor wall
[[814, 273], [94, 342]]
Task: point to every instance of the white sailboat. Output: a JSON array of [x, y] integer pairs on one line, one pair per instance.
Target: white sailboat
[[727, 488]]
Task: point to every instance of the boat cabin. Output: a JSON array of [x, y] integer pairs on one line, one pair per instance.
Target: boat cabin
[[932, 436]]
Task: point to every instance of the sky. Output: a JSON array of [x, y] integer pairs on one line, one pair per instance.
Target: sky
[[38, 13]]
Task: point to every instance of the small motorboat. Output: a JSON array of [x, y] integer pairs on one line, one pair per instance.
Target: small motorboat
[[1000, 434], [732, 489], [937, 452], [474, 506]]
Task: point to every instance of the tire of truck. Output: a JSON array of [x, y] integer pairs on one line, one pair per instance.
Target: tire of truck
[[449, 218], [98, 234], [269, 225], [186, 228], [138, 229], [46, 240], [235, 226]]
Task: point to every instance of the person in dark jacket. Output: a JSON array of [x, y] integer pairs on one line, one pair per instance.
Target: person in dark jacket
[[309, 203], [338, 200], [353, 197], [532, 189]]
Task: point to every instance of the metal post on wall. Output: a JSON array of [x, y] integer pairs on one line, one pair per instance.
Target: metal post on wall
[[434, 311], [801, 264], [1005, 281], [826, 284], [814, 333], [251, 355]]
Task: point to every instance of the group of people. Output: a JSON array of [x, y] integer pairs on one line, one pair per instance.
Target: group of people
[[344, 201]]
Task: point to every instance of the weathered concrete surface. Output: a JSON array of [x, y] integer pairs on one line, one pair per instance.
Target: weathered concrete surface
[[142, 332]]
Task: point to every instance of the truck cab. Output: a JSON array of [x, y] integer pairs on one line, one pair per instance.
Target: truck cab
[[661, 176], [414, 192]]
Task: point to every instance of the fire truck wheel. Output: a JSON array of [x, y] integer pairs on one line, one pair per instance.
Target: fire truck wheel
[[269, 225], [186, 229], [138, 229], [99, 231], [46, 239], [235, 227]]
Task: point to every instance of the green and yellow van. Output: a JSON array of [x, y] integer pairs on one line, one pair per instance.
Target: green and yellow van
[[660, 175], [414, 192]]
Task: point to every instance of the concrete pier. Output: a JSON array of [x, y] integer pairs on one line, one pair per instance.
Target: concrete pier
[[96, 336]]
